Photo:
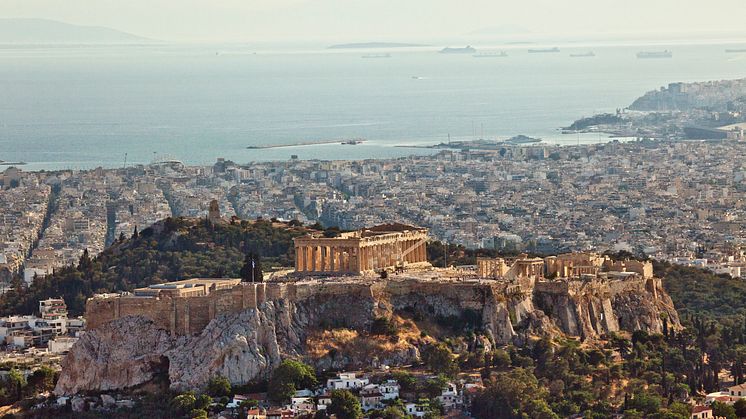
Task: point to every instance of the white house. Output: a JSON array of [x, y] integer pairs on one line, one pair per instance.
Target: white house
[[346, 381], [449, 396], [389, 390], [738, 391], [61, 344], [416, 409]]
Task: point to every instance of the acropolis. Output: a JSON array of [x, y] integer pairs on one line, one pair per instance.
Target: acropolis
[[383, 247]]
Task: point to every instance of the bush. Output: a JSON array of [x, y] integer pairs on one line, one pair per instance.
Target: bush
[[383, 326]]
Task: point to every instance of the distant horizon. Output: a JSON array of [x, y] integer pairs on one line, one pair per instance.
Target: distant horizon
[[416, 21], [475, 39]]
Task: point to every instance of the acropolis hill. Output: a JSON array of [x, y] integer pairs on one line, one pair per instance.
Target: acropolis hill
[[195, 329]]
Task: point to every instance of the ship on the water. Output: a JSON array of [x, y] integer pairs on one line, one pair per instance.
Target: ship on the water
[[490, 54], [466, 50], [655, 54], [376, 56], [543, 50], [583, 54], [354, 141], [732, 50]]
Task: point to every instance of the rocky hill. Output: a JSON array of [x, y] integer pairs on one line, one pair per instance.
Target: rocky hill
[[246, 344], [720, 95]]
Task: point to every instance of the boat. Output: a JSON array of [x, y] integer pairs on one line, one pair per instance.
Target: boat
[[376, 56], [543, 50], [490, 54], [732, 50], [522, 139], [583, 54], [352, 142], [466, 50], [655, 54]]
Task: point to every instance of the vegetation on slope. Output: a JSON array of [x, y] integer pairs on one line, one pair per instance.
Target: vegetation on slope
[[173, 249]]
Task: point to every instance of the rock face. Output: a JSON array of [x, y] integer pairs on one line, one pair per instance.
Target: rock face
[[126, 353], [248, 345]]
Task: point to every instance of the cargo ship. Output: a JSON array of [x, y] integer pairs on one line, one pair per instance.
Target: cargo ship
[[376, 56], [466, 50], [583, 54], [543, 50], [731, 50], [655, 54]]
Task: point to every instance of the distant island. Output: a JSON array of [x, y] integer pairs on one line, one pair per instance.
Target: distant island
[[375, 45], [42, 31]]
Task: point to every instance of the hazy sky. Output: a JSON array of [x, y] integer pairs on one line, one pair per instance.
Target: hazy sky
[[363, 20]]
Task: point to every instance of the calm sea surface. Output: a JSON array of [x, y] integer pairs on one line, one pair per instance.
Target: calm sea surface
[[81, 107]]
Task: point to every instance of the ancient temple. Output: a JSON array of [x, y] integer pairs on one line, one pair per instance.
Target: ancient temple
[[384, 247]]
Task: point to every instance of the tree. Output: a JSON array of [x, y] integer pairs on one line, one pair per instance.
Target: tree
[[439, 359], [345, 405], [202, 402], [509, 395], [723, 410], [184, 402], [85, 264], [17, 382], [289, 377], [42, 379], [393, 412], [740, 407], [251, 271], [219, 386]]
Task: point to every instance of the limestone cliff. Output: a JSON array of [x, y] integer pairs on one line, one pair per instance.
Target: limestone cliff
[[246, 344]]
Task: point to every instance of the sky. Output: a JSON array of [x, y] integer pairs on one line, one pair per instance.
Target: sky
[[387, 20]]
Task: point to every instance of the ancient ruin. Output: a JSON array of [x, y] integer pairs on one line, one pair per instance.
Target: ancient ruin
[[384, 247]]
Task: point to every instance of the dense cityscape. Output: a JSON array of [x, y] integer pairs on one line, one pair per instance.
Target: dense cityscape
[[671, 201]]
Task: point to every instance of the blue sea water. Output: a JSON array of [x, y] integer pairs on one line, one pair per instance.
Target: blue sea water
[[86, 106]]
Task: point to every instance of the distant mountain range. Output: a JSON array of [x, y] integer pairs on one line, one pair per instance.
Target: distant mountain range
[[375, 45], [42, 31]]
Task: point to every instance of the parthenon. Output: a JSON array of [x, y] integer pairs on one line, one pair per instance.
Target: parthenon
[[384, 247]]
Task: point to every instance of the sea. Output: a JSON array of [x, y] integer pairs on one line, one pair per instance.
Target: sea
[[80, 107]]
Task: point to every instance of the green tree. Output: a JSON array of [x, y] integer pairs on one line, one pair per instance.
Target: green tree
[[393, 412], [17, 382], [740, 407], [218, 387], [198, 414], [439, 359], [289, 377], [345, 405], [183, 402], [509, 395], [202, 402], [723, 410]]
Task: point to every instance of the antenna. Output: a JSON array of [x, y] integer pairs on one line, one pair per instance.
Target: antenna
[[125, 161]]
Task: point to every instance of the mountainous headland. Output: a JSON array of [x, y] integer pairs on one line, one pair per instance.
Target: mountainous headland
[[43, 31]]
